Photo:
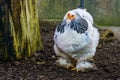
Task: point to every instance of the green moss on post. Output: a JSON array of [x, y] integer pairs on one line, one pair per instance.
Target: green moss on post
[[25, 29], [19, 29]]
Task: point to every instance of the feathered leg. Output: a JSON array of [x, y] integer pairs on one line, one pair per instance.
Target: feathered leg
[[63, 59], [85, 62]]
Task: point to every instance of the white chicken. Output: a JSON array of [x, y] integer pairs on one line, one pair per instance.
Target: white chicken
[[75, 40]]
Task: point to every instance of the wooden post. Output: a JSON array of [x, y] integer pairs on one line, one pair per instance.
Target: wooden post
[[20, 30]]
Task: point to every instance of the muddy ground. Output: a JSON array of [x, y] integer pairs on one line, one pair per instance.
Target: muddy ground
[[42, 66]]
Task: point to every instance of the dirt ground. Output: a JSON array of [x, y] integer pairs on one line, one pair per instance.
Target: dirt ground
[[42, 66]]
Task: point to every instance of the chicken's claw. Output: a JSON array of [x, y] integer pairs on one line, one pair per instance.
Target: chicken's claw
[[73, 69]]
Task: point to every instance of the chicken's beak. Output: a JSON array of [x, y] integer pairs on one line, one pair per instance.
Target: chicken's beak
[[70, 17]]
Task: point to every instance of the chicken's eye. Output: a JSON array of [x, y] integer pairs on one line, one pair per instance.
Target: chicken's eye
[[72, 15]]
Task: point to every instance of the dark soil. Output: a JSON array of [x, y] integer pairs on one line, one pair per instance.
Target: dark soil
[[42, 66]]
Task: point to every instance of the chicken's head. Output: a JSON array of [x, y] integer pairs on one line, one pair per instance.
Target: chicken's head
[[70, 16], [77, 14]]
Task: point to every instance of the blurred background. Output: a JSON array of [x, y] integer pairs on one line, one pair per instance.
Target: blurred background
[[104, 12]]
